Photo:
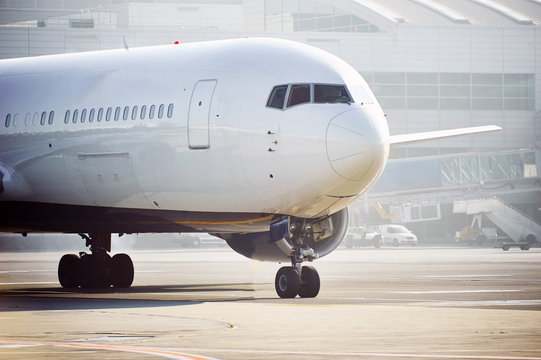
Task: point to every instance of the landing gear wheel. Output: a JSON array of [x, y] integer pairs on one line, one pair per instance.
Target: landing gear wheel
[[287, 282], [122, 271], [95, 273], [68, 271], [309, 282]]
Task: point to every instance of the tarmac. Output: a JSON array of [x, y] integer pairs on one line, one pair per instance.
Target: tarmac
[[389, 303]]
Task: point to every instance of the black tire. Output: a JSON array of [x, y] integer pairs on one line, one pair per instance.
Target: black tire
[[310, 283], [90, 276], [287, 282], [530, 239], [69, 270], [525, 247], [505, 247], [122, 271]]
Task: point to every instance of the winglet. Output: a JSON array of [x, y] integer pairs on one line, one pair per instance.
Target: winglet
[[404, 139]]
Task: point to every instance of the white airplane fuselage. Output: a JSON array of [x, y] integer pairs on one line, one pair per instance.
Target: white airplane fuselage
[[79, 151]]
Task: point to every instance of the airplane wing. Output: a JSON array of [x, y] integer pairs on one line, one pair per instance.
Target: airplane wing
[[404, 139]]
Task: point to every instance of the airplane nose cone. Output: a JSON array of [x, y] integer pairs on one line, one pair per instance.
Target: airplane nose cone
[[353, 145]]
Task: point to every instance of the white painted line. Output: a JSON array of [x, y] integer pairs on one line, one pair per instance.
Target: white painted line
[[282, 354], [187, 353], [453, 291], [25, 271], [15, 346], [465, 276], [488, 303], [175, 355], [114, 338], [31, 283]]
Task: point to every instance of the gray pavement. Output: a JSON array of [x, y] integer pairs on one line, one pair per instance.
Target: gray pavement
[[390, 303]]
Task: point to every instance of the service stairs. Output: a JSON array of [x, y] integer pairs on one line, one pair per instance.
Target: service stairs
[[517, 225]]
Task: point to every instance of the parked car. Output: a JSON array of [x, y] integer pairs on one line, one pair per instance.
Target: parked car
[[197, 240], [361, 236], [397, 235]]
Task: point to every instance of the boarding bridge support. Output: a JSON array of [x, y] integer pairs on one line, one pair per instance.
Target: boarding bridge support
[[523, 230]]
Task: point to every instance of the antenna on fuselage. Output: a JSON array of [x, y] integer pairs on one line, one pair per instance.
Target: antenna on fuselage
[[125, 43]]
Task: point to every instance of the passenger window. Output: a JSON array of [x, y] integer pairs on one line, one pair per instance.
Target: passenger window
[[75, 116], [331, 94], [170, 111], [91, 115], [27, 119], [51, 117], [126, 113], [117, 113], [277, 97], [134, 113], [160, 111], [151, 112], [43, 118], [8, 119], [35, 119], [108, 115], [67, 117], [83, 116], [14, 121], [100, 115], [143, 112], [299, 94]]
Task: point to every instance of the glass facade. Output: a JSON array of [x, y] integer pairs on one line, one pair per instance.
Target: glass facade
[[453, 91], [310, 15]]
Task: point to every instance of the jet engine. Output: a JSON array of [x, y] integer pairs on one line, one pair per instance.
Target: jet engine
[[305, 239]]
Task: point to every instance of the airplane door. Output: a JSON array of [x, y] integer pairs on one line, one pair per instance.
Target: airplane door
[[199, 114]]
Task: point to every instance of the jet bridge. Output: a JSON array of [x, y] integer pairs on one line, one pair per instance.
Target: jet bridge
[[523, 230], [421, 191]]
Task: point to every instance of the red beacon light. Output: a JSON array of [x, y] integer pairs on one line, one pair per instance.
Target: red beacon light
[[176, 43]]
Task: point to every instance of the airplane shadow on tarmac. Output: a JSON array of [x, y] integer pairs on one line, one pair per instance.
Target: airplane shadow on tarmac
[[57, 298]]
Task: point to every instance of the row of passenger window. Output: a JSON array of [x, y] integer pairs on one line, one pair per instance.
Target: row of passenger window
[[43, 119], [100, 114], [127, 113], [305, 93]]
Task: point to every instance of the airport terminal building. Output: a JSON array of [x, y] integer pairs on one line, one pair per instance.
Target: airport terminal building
[[432, 64]]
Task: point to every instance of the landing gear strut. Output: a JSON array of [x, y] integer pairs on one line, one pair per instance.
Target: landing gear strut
[[296, 279], [97, 269]]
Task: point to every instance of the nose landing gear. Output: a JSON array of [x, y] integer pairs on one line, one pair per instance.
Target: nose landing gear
[[296, 279], [97, 269]]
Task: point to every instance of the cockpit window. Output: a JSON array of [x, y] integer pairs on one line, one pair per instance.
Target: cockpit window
[[277, 97], [299, 94], [329, 94], [308, 93]]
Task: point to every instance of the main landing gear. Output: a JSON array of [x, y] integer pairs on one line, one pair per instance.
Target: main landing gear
[[97, 269], [296, 279]]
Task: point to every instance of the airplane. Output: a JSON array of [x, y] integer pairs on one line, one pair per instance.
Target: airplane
[[262, 142]]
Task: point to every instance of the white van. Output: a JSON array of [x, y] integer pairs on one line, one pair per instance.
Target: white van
[[397, 235]]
